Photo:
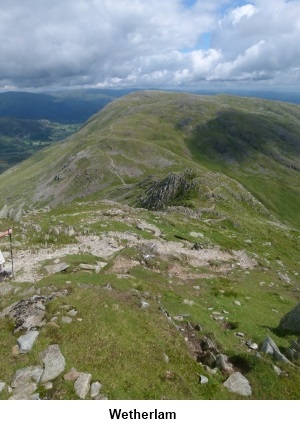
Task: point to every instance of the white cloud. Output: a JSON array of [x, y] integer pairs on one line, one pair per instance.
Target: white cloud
[[142, 43], [239, 13]]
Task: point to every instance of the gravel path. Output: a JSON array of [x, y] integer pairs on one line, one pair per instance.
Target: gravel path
[[27, 264]]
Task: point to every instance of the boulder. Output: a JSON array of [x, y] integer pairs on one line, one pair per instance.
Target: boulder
[[291, 321], [56, 268], [26, 375], [54, 363], [23, 392], [95, 389], [82, 385], [237, 383], [26, 341]]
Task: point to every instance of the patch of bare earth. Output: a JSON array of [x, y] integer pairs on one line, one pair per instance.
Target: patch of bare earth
[[28, 264]]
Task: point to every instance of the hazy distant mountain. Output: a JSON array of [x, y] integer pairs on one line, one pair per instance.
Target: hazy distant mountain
[[62, 107]]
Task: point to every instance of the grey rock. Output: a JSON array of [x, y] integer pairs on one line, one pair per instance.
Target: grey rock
[[101, 397], [277, 370], [82, 385], [72, 375], [291, 321], [27, 313], [72, 313], [251, 345], [237, 383], [48, 385], [54, 363], [34, 396], [196, 234], [163, 191], [270, 347], [209, 359], [149, 228], [208, 344], [188, 302], [203, 379], [284, 278], [101, 264], [4, 212], [23, 392], [66, 320], [166, 358], [18, 215], [209, 370], [2, 386], [95, 389], [56, 268], [223, 364], [240, 334], [295, 345], [89, 267], [26, 375], [26, 341], [144, 304]]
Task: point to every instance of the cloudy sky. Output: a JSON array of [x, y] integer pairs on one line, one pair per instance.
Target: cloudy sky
[[149, 43]]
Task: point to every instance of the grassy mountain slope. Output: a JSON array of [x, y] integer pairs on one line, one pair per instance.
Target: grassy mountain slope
[[255, 142], [219, 258]]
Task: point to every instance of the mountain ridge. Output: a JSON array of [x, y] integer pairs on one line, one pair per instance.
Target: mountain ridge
[[250, 140]]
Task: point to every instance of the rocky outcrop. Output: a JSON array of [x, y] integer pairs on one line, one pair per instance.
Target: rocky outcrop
[[293, 352], [270, 347], [174, 187], [29, 313], [291, 321]]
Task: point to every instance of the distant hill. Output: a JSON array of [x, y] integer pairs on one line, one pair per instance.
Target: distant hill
[[62, 107], [253, 141]]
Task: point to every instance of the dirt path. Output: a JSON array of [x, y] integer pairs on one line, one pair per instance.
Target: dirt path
[[27, 263]]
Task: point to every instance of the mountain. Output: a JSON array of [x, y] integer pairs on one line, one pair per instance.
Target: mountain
[[61, 106], [252, 141], [156, 251]]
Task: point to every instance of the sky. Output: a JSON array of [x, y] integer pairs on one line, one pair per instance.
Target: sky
[[193, 44]]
